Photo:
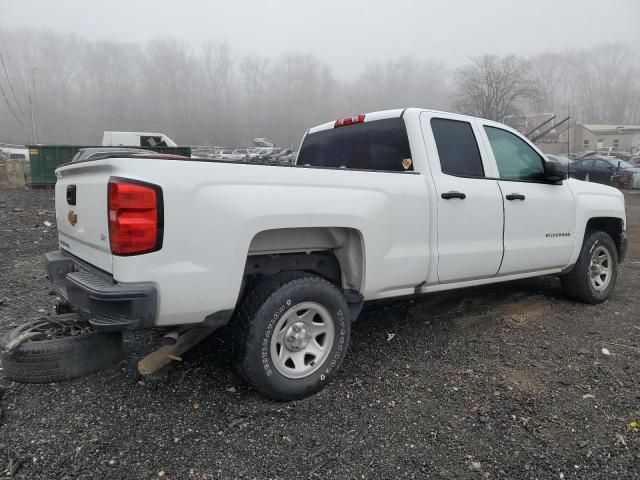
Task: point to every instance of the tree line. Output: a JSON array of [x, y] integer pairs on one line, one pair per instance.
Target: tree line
[[76, 88]]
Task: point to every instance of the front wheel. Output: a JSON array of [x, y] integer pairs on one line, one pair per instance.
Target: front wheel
[[291, 334], [594, 275]]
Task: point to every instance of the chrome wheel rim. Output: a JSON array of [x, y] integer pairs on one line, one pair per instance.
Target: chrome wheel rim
[[600, 270], [302, 340]]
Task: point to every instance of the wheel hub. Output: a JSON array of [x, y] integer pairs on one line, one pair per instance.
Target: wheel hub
[[601, 269], [302, 339], [297, 337]]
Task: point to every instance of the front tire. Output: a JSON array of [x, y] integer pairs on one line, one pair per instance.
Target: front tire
[[290, 335], [594, 275]]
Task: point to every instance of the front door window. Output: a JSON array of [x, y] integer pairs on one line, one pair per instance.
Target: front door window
[[516, 160]]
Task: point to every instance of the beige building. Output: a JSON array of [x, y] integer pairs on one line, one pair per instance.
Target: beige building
[[588, 137]]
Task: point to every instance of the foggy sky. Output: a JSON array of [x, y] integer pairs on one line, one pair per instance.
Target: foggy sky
[[345, 34]]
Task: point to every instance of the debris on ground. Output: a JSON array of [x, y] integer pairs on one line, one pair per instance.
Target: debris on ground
[[13, 460]]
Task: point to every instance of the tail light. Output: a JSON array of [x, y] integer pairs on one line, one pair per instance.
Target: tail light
[[348, 121], [135, 217]]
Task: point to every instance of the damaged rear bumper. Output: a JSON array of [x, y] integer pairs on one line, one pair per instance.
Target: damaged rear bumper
[[93, 293]]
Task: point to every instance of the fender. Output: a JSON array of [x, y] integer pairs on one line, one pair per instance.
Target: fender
[[594, 200]]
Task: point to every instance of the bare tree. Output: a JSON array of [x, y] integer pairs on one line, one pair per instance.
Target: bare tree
[[81, 87], [491, 87], [551, 73], [400, 83], [606, 83]]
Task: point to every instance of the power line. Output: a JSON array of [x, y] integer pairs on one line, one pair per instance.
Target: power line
[[10, 85], [10, 107]]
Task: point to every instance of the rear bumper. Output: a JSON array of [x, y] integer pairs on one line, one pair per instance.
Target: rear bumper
[[108, 305]]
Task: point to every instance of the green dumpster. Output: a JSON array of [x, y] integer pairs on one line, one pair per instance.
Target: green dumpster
[[45, 159]]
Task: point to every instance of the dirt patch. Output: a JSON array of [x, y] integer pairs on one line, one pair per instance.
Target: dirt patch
[[524, 309], [522, 380]]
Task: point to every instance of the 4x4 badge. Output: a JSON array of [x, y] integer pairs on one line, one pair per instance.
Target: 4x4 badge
[[72, 217]]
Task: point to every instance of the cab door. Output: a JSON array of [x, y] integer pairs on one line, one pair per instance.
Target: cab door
[[539, 226], [469, 205]]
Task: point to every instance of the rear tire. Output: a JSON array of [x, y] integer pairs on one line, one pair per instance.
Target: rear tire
[[290, 335], [594, 275]]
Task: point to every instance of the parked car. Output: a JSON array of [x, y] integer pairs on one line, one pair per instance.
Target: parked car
[[564, 161], [265, 154], [606, 170], [289, 157], [383, 205], [608, 153], [243, 154], [283, 156], [224, 154]]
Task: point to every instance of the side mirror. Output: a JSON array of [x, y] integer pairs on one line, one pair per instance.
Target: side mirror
[[554, 171]]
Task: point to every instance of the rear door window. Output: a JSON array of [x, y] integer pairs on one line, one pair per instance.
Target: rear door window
[[457, 148], [376, 145]]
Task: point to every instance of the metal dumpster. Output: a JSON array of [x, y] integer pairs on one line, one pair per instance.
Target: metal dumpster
[[45, 159]]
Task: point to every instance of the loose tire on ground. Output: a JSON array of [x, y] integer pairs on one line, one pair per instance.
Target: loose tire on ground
[[61, 359], [279, 302], [578, 284]]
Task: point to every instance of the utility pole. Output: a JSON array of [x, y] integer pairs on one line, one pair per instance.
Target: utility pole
[[33, 121], [31, 106]]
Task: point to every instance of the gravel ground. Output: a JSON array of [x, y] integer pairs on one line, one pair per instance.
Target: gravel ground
[[506, 381]]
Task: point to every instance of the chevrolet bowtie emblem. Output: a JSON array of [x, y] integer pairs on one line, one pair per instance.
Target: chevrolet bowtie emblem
[[73, 217]]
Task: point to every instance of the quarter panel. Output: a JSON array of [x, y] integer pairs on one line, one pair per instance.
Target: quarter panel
[[214, 210]]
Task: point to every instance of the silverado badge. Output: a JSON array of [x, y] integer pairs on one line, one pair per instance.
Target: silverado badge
[[72, 217]]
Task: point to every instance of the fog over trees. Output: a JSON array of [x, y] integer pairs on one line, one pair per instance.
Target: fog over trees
[[77, 88]]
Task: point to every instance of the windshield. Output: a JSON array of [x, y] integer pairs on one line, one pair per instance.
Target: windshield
[[623, 164], [377, 145]]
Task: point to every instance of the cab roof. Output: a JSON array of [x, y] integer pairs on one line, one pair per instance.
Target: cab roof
[[384, 114]]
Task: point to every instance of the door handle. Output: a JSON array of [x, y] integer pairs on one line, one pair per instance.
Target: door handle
[[515, 196], [450, 195]]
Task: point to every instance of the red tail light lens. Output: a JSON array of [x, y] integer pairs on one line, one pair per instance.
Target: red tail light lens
[[135, 217], [348, 121]]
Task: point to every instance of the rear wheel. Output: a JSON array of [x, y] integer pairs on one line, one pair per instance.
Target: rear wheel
[[594, 275], [291, 334]]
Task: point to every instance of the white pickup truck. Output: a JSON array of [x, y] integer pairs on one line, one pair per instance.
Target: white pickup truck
[[388, 204]]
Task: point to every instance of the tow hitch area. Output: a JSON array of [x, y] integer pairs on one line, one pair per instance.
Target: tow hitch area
[[67, 346], [174, 345]]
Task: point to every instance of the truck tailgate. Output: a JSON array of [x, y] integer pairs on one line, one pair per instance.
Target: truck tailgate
[[81, 212]]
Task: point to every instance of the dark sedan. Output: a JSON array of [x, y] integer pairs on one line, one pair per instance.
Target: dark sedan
[[607, 170]]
